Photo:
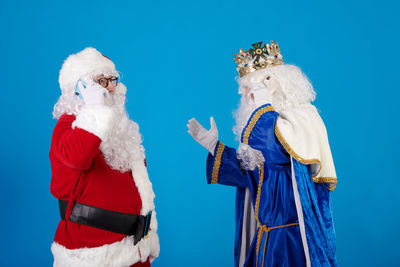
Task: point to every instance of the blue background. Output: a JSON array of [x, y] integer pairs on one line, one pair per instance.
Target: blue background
[[176, 60]]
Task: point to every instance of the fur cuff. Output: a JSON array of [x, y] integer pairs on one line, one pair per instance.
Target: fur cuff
[[118, 254], [96, 119]]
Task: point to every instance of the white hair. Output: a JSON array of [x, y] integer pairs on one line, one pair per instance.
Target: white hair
[[294, 90], [123, 144], [69, 103], [242, 115], [294, 87]]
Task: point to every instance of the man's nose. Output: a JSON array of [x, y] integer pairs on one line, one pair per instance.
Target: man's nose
[[111, 88], [246, 92]]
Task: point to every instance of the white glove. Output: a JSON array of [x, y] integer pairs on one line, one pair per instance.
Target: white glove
[[92, 93], [207, 139], [94, 117]]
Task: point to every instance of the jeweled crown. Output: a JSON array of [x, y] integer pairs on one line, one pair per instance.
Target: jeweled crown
[[257, 58]]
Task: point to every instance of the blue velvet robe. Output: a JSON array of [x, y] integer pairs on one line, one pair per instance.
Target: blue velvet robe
[[278, 240]]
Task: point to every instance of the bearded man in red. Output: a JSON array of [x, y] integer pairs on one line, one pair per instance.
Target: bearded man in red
[[99, 171]]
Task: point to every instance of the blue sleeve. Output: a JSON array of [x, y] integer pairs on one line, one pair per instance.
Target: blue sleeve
[[259, 133], [224, 167]]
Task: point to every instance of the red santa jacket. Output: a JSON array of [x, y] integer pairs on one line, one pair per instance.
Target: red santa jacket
[[80, 174]]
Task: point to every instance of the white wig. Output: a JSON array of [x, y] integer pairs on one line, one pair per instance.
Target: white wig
[[294, 87], [68, 103], [87, 63]]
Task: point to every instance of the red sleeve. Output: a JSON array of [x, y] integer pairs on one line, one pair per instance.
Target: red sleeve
[[75, 148]]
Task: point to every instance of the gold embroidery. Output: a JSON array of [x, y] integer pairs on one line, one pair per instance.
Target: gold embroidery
[[332, 187], [217, 163], [253, 122], [324, 180], [261, 179]]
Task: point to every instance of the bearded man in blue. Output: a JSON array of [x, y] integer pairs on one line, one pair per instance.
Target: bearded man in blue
[[283, 168]]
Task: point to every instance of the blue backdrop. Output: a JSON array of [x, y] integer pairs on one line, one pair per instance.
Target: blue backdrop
[[176, 60]]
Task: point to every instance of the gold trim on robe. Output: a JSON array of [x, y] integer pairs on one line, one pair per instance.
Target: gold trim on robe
[[253, 121], [217, 163]]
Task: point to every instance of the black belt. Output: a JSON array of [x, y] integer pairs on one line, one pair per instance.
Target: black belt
[[117, 222]]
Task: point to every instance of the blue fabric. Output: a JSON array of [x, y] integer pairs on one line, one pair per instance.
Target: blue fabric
[[317, 211], [277, 206], [229, 172]]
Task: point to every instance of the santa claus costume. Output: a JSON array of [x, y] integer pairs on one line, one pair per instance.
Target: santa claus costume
[[99, 175]]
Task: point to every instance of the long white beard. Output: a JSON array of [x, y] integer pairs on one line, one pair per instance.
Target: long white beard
[[122, 146], [242, 115], [123, 151], [248, 157]]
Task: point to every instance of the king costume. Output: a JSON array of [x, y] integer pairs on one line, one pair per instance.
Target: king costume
[[99, 173], [283, 169]]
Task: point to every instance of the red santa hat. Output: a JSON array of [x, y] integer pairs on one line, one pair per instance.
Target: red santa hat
[[87, 61]]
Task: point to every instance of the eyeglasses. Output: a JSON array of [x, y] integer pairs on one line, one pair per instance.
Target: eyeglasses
[[103, 81]]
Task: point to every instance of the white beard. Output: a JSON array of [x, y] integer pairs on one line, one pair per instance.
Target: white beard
[[248, 157], [242, 115], [122, 146], [123, 151]]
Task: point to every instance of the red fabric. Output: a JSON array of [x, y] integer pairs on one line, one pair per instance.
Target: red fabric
[[80, 174], [142, 264]]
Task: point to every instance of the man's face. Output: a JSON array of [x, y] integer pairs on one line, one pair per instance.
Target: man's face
[[268, 82], [108, 82], [246, 93]]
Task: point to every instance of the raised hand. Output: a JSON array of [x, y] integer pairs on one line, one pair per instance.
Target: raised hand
[[206, 138], [92, 93]]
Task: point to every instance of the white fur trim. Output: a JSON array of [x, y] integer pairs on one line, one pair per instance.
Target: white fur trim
[[86, 61], [118, 254], [96, 119], [144, 186], [154, 243]]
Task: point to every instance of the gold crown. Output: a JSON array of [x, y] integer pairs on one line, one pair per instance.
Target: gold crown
[[257, 58]]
